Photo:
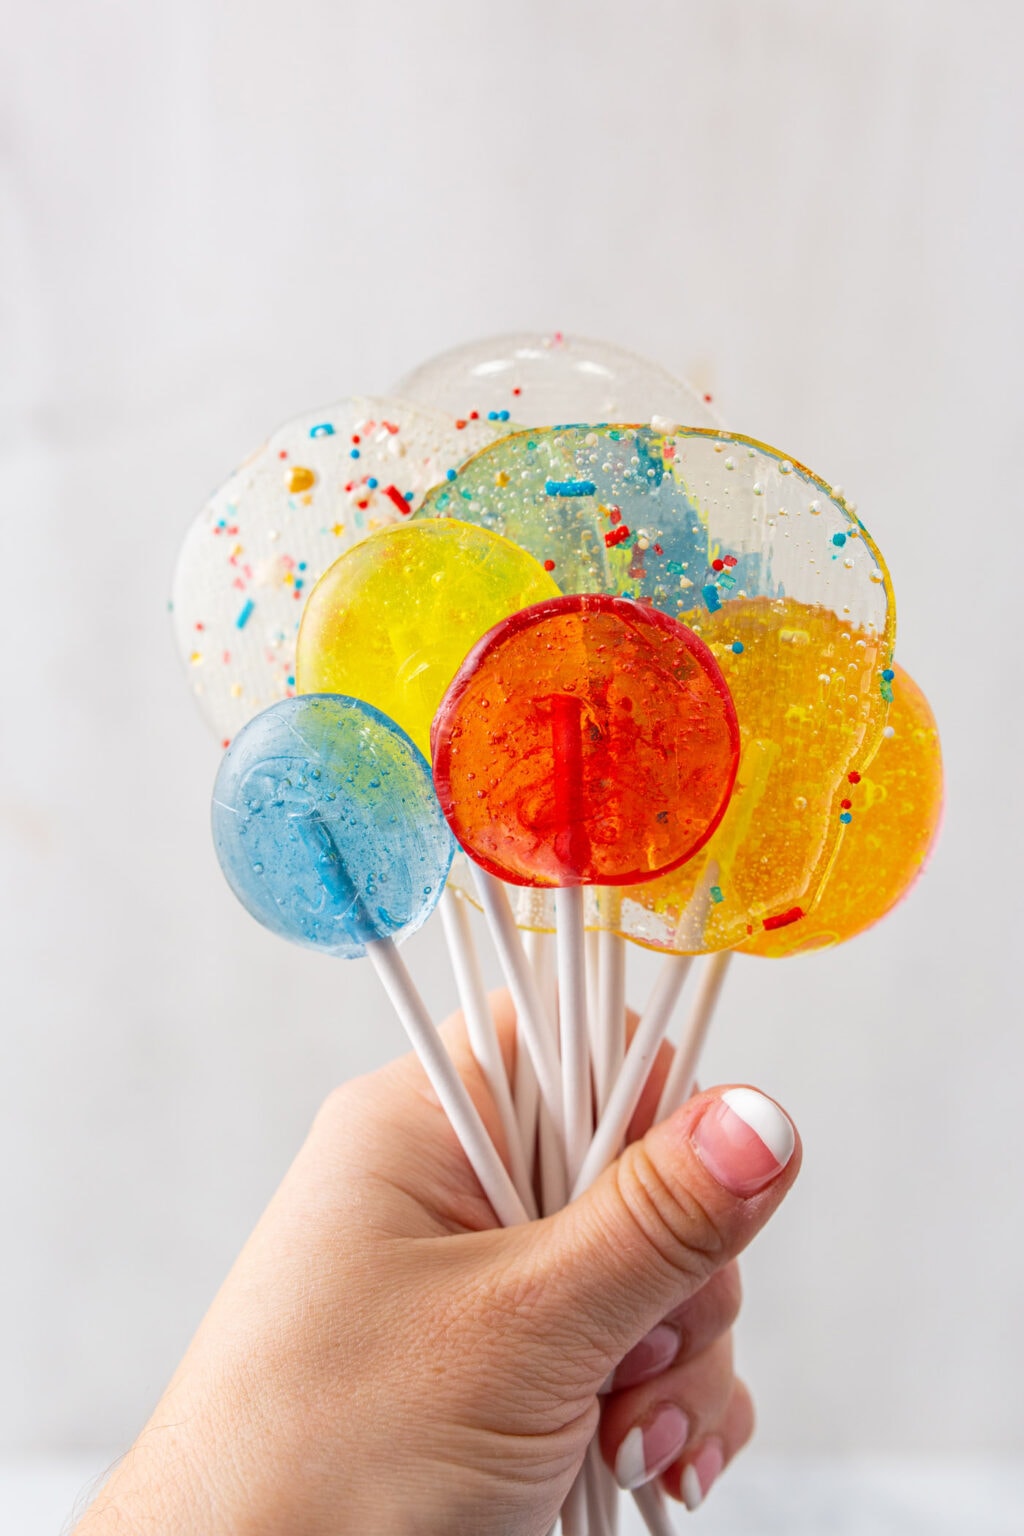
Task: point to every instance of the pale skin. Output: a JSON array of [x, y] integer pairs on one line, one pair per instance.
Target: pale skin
[[382, 1357]]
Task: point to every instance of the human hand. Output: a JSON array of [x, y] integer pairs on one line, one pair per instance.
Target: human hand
[[383, 1358]]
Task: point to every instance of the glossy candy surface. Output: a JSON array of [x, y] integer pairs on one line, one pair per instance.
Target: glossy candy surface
[[777, 573], [392, 620], [684, 519], [892, 814], [811, 697], [587, 740], [251, 558], [543, 380], [327, 827]]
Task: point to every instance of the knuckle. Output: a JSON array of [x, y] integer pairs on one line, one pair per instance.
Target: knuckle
[[669, 1217]]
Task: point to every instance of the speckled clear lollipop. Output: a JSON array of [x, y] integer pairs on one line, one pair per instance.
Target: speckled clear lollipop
[[542, 380], [768, 564], [252, 556], [328, 831]]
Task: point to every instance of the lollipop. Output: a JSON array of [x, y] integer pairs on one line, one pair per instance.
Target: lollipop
[[891, 817], [548, 379], [394, 617], [585, 739], [328, 831], [777, 573], [252, 556]]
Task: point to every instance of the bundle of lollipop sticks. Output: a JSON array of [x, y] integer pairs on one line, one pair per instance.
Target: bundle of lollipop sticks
[[607, 683]]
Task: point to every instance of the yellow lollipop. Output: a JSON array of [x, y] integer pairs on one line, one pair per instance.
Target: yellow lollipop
[[392, 620], [811, 694], [893, 812]]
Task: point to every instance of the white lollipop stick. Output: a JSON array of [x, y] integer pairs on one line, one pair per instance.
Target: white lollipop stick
[[446, 1082], [483, 1037], [529, 1005], [572, 1015], [610, 1034], [629, 1084], [525, 1091], [679, 1083], [650, 1501]]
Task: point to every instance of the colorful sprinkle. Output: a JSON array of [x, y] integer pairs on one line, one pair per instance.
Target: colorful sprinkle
[[300, 479], [846, 818], [784, 919], [323, 429], [716, 894], [839, 539], [711, 598], [737, 647], [245, 615], [569, 487]]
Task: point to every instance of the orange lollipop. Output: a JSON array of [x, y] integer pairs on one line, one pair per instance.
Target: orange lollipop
[[891, 814], [588, 740]]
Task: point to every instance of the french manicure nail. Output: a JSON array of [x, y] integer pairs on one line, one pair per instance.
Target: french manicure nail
[[652, 1446], [744, 1140], [700, 1473], [654, 1354]]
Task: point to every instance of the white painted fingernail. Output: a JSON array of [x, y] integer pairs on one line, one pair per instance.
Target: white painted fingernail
[[650, 1447]]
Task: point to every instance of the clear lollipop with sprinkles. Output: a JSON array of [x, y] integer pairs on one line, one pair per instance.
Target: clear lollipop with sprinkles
[[254, 553]]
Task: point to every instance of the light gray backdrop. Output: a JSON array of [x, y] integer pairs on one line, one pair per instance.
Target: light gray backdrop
[[217, 215]]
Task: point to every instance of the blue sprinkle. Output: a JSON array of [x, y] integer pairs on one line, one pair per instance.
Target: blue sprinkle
[[503, 415], [839, 539], [291, 682], [323, 430], [737, 647], [711, 597], [407, 495], [716, 894], [846, 818], [353, 453], [887, 692], [492, 416], [451, 474], [299, 585], [569, 487], [372, 483], [245, 615], [302, 565], [888, 674]]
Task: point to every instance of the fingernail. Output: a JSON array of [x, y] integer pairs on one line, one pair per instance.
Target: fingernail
[[700, 1473], [650, 1357], [652, 1446], [744, 1140]]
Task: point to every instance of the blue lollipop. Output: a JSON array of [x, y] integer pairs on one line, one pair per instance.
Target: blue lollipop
[[329, 832], [327, 826]]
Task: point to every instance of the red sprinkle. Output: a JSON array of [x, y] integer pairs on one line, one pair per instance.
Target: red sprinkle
[[615, 513], [460, 426], [730, 561], [394, 494], [474, 415], [549, 565], [718, 565], [658, 549], [784, 919], [616, 535], [517, 391], [283, 453], [846, 804], [707, 401], [854, 777]]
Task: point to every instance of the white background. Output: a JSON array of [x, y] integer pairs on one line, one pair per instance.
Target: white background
[[213, 216]]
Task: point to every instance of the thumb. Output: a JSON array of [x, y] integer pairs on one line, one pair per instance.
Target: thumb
[[675, 1207]]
